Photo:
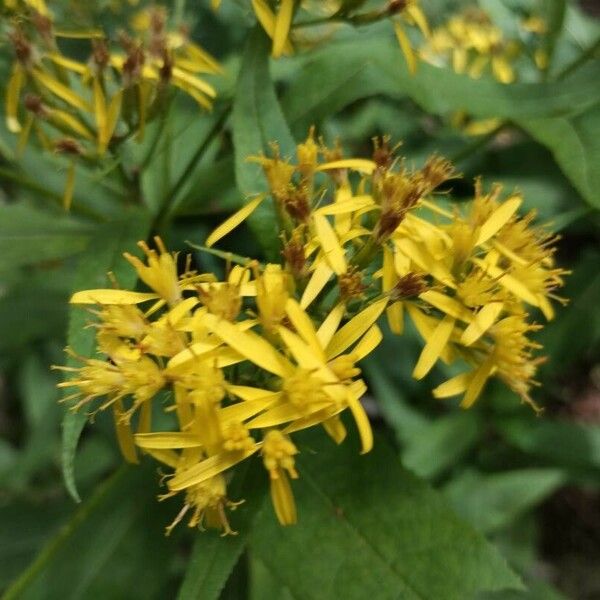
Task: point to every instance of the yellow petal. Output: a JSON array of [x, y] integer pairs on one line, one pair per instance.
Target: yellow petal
[[409, 55], [348, 206], [361, 165], [335, 429], [67, 63], [502, 70], [506, 280], [332, 250], [304, 326], [434, 347], [69, 186], [283, 413], [283, 22], [426, 325], [419, 18], [424, 260], [499, 218], [368, 343], [447, 305], [110, 297], [248, 393], [195, 82], [318, 280], [483, 320], [283, 500], [61, 90], [124, 434], [112, 118], [330, 324], [167, 457], [362, 423], [13, 94], [232, 222], [167, 440], [395, 317], [248, 344], [454, 386], [355, 328], [266, 18], [63, 118], [240, 412], [303, 354], [480, 376], [208, 468]]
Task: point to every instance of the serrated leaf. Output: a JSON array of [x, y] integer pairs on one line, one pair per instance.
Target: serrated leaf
[[490, 502], [258, 121], [104, 255], [367, 531]]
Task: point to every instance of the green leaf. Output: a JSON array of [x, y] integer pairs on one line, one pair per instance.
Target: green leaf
[[368, 528], [29, 235], [575, 144], [214, 557], [490, 502], [113, 546], [562, 443], [258, 121], [433, 448], [104, 255]]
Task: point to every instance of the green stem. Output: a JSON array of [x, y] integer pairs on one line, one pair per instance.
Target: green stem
[[586, 55], [53, 546], [244, 261], [165, 211], [477, 144]]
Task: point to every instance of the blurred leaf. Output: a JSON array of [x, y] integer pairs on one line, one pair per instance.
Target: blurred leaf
[[563, 443], [104, 255], [214, 557], [264, 582], [575, 143], [378, 533], [490, 502], [30, 235], [258, 121], [113, 547], [438, 445], [537, 590]]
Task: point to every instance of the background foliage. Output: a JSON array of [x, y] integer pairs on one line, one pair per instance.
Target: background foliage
[[490, 503]]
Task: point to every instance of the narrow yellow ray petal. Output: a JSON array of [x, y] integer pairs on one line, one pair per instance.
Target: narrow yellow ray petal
[[303, 354], [362, 423], [362, 165], [62, 118], [426, 325], [332, 250], [419, 18], [166, 440], [424, 260], [266, 18], [110, 297], [283, 413], [500, 217], [240, 412], [167, 457], [335, 429], [195, 82], [368, 343], [546, 307], [509, 282], [60, 90], [232, 222], [409, 55], [283, 21], [304, 326], [447, 305], [112, 118], [434, 347], [318, 280], [248, 344], [395, 317], [248, 393], [124, 434], [454, 386], [355, 328], [480, 376], [67, 63], [331, 323], [13, 94], [483, 320], [283, 500], [348, 206], [208, 468], [69, 186]]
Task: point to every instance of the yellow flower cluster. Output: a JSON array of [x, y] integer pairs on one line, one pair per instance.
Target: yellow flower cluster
[[243, 364], [81, 109], [246, 362], [277, 20], [471, 43]]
